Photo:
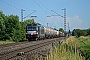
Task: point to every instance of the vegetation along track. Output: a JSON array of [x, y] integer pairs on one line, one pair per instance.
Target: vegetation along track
[[10, 52]]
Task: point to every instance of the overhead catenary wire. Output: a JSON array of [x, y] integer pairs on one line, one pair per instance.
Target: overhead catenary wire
[[29, 14], [19, 9], [43, 5], [56, 13], [10, 5], [24, 9], [18, 4], [22, 6], [40, 7]]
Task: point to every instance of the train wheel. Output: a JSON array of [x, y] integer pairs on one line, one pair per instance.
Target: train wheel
[[36, 39], [29, 39]]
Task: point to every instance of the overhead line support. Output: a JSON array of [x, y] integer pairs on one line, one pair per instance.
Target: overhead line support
[[22, 24], [64, 19]]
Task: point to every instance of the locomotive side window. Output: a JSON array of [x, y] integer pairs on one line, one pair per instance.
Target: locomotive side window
[[42, 30], [38, 29]]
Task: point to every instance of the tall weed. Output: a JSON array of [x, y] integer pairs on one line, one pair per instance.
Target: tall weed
[[67, 50]]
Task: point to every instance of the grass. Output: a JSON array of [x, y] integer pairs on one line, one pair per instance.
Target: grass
[[66, 50], [85, 45], [6, 42]]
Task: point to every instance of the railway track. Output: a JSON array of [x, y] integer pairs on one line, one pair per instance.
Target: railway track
[[10, 52]]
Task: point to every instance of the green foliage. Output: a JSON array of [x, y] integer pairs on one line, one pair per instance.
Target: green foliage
[[88, 31], [54, 28], [10, 27], [85, 46], [2, 26], [78, 32], [61, 29], [13, 28]]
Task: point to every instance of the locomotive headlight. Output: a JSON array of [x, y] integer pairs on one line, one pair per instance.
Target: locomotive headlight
[[37, 33]]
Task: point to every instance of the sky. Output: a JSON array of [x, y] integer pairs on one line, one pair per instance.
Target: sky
[[77, 12]]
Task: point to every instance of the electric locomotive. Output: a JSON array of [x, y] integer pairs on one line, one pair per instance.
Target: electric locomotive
[[34, 31]]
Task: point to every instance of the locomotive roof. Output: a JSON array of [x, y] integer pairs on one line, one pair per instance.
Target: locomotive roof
[[33, 24]]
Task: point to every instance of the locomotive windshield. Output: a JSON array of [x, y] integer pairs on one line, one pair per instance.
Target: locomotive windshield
[[31, 28]]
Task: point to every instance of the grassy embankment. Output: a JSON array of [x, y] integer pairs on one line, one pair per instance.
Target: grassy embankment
[[85, 46], [6, 42], [66, 50]]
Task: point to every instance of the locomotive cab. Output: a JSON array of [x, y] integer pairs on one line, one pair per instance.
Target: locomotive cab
[[34, 31], [31, 31]]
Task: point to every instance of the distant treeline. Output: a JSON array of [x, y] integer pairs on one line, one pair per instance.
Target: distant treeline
[[11, 28], [79, 32]]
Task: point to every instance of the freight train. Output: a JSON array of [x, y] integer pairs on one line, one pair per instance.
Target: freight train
[[38, 31]]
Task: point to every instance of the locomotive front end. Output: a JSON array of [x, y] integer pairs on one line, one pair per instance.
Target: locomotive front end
[[31, 31]]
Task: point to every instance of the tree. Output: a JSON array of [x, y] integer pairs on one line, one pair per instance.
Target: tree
[[13, 28], [61, 29], [82, 33], [54, 28], [2, 26], [78, 32], [88, 31]]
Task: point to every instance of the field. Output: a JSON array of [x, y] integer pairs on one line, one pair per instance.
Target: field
[[71, 49], [6, 42]]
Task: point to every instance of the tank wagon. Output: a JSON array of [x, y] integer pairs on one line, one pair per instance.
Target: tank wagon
[[38, 31]]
